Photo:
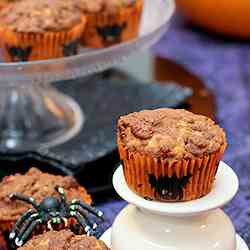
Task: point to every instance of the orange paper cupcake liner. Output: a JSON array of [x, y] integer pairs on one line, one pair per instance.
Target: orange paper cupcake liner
[[164, 180], [106, 29], [40, 46]]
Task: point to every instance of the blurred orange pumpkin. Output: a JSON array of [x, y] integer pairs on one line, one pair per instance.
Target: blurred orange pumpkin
[[229, 17]]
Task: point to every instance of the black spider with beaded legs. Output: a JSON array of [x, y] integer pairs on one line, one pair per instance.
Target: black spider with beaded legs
[[52, 211]]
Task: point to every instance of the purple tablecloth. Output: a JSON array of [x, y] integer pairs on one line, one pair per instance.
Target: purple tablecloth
[[224, 66]]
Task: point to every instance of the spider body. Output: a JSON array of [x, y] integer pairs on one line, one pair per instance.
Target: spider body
[[49, 208], [52, 211]]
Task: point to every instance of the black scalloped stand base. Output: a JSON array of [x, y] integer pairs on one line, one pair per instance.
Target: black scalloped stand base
[[92, 154]]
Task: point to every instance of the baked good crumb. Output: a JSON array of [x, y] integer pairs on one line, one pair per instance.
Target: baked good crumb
[[63, 240]]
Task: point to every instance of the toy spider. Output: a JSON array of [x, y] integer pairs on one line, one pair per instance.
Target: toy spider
[[52, 211]]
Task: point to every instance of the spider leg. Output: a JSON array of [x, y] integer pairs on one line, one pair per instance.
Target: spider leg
[[24, 198], [87, 207], [82, 222], [61, 192], [27, 232], [84, 214], [65, 221], [49, 226], [19, 222], [26, 225]]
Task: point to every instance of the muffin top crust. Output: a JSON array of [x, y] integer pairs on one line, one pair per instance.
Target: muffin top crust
[[170, 133], [38, 185], [63, 240], [103, 5], [40, 15]]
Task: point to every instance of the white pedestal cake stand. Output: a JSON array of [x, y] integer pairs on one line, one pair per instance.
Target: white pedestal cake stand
[[35, 115], [193, 225]]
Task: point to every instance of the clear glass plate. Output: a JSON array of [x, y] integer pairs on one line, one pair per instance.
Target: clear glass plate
[[35, 115]]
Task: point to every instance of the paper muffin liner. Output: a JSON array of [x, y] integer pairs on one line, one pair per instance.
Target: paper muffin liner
[[21, 46], [164, 180], [106, 29]]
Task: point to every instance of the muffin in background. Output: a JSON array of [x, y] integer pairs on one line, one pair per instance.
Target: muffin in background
[[38, 185], [63, 240], [110, 22], [3, 242], [42, 29], [170, 155]]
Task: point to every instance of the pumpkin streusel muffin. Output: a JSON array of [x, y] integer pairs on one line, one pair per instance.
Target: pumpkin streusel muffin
[[35, 184], [110, 22], [41, 29], [63, 240], [170, 155], [3, 242]]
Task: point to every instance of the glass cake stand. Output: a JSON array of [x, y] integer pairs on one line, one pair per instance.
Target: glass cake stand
[[35, 115]]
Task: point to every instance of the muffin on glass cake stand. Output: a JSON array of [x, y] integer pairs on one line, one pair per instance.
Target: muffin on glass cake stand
[[35, 115]]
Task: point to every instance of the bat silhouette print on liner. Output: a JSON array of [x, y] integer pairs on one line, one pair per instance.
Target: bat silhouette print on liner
[[71, 48], [19, 54], [111, 33], [169, 188]]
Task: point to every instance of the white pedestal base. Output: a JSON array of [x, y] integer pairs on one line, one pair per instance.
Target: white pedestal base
[[241, 245], [193, 225]]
